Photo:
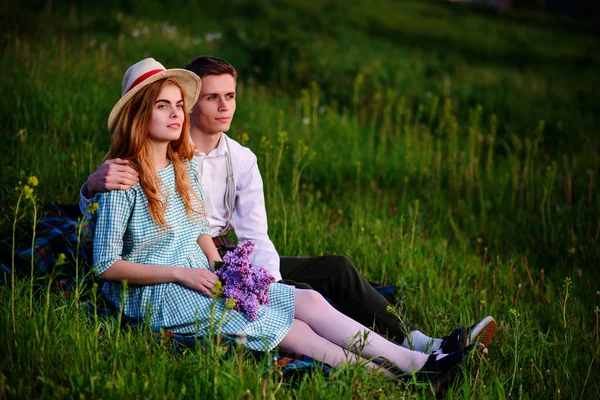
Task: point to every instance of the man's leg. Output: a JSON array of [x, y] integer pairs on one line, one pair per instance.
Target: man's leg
[[337, 278]]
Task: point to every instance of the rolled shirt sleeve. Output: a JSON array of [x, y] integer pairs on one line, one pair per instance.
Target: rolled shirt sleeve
[[84, 202], [249, 218]]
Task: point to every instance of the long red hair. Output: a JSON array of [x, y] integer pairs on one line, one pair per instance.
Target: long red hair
[[129, 142]]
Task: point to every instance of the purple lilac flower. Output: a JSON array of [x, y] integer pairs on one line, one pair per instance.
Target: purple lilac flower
[[248, 285]]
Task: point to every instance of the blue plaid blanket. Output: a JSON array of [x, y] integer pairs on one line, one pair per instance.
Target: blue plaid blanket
[[59, 239]]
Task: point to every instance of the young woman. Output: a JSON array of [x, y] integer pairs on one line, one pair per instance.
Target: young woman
[[155, 237]]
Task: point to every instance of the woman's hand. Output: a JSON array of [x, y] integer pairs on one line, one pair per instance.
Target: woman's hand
[[198, 279]]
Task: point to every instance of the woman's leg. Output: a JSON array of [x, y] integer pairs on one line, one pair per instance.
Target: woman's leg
[[302, 339], [327, 322]]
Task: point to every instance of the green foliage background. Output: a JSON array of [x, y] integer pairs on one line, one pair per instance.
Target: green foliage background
[[447, 149]]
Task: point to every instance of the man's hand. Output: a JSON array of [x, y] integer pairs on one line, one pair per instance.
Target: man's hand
[[113, 174], [197, 278], [210, 251]]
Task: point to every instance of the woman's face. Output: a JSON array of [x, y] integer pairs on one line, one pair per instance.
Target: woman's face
[[167, 115]]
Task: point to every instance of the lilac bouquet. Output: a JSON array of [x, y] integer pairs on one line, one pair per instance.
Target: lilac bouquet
[[247, 285]]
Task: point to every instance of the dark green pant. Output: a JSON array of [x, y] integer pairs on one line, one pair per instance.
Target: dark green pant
[[337, 278]]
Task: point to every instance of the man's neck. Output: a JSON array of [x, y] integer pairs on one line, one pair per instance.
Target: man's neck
[[205, 142]]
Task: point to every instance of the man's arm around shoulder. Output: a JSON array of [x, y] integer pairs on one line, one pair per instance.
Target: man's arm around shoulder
[[115, 174]]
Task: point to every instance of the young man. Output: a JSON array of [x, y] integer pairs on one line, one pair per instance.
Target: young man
[[234, 199]]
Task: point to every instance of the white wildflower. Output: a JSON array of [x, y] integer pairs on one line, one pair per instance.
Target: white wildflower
[[241, 338], [212, 36]]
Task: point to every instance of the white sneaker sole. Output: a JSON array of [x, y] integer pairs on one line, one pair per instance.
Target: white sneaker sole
[[483, 332]]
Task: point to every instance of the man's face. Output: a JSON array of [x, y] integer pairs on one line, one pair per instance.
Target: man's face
[[213, 112]]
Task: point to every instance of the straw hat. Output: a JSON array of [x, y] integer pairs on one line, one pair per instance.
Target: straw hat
[[144, 73]]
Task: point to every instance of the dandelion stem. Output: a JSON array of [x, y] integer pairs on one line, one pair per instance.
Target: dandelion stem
[[517, 323], [530, 279], [588, 375], [32, 254], [482, 269], [13, 272]]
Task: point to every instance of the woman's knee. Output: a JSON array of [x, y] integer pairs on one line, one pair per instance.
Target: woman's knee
[[310, 298]]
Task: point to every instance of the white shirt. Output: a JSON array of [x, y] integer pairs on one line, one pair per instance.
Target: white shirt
[[249, 219]]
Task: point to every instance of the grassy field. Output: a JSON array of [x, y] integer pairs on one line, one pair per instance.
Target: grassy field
[[449, 150]]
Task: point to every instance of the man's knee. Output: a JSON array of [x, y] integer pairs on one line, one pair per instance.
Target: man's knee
[[342, 266]]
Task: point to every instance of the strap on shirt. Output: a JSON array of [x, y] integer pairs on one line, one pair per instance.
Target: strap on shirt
[[229, 190]]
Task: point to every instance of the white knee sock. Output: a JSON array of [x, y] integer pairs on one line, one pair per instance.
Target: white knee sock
[[302, 339], [341, 330], [417, 340]]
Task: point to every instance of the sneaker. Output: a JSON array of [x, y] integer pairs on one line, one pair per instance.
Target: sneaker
[[438, 372], [455, 341], [483, 332]]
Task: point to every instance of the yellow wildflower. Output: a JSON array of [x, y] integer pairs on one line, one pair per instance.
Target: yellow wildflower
[[92, 208], [32, 181], [244, 139], [61, 259], [218, 289], [27, 192], [230, 303]]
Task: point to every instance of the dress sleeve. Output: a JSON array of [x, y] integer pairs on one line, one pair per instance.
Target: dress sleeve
[[114, 210], [197, 186]]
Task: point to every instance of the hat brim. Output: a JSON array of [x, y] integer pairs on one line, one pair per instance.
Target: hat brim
[[189, 81]]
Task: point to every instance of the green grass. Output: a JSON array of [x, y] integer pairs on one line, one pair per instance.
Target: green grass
[[447, 150]]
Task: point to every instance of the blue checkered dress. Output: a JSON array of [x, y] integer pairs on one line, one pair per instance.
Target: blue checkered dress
[[125, 231]]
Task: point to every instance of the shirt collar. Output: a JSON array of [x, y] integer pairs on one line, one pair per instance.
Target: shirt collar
[[219, 151]]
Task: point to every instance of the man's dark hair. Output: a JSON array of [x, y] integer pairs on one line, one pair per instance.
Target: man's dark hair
[[209, 65]]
